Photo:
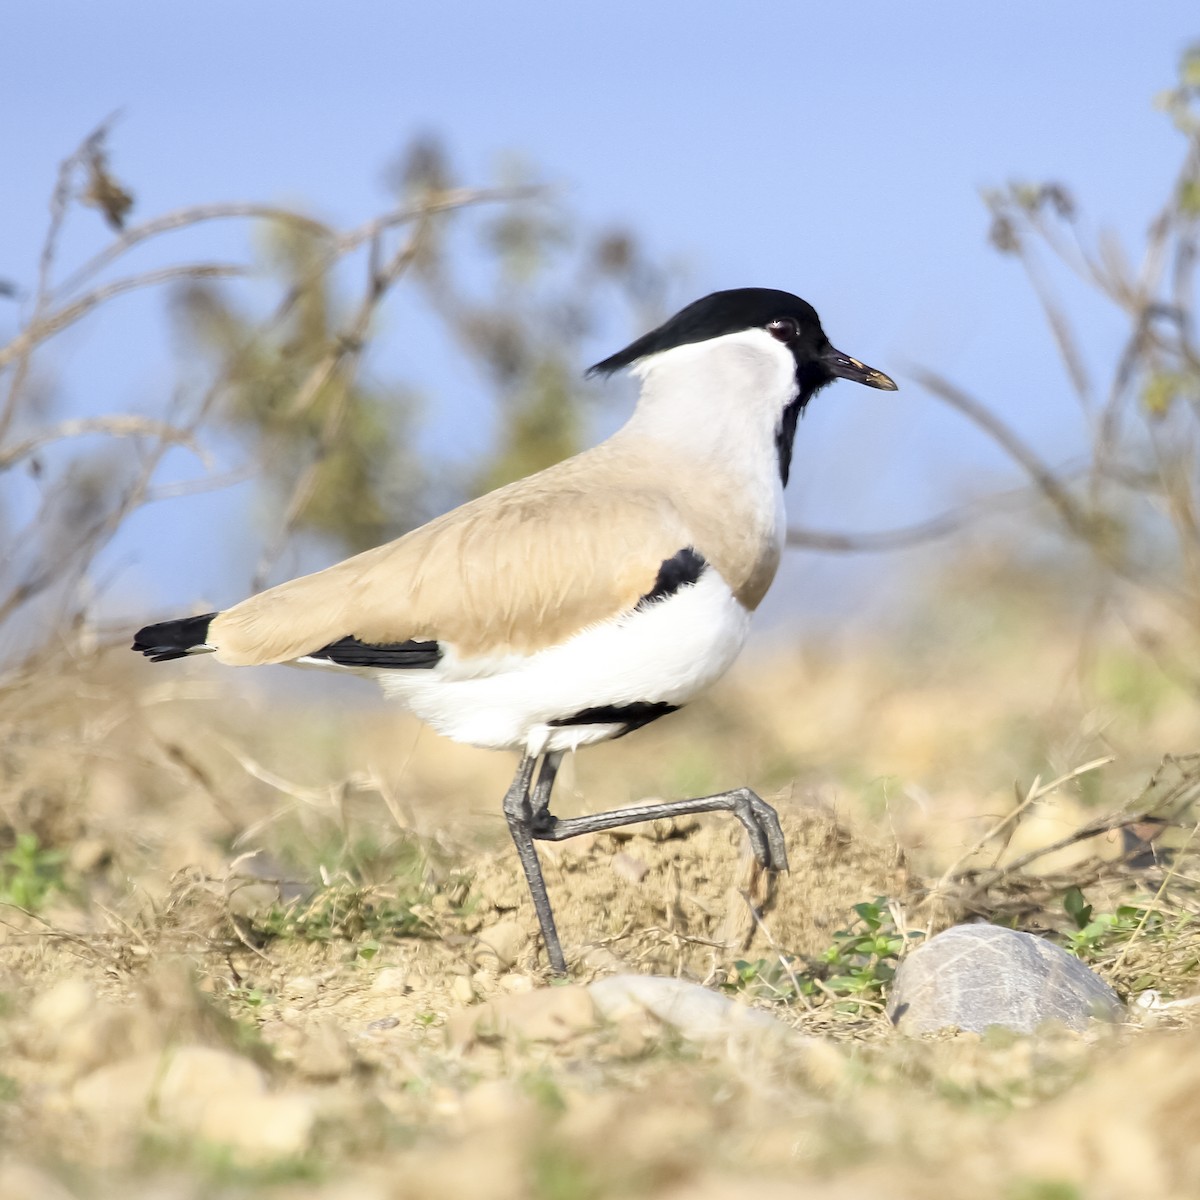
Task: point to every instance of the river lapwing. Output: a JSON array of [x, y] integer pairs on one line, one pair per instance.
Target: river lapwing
[[587, 600]]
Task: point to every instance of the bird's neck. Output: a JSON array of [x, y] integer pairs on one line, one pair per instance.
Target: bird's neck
[[717, 407]]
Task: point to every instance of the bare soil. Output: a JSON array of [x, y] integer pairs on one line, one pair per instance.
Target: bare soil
[[292, 955]]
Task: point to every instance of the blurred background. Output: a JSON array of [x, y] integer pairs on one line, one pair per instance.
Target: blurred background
[[275, 287], [848, 158]]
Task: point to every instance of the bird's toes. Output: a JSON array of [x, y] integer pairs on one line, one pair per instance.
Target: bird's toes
[[775, 858]]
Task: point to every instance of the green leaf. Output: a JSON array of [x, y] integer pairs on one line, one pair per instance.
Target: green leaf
[[1077, 908]]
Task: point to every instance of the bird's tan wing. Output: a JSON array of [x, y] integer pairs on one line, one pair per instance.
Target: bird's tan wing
[[519, 569]]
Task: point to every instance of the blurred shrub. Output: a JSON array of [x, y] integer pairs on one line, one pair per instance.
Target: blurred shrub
[[331, 445]]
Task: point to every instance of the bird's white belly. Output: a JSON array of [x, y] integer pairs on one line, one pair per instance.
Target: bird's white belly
[[665, 653]]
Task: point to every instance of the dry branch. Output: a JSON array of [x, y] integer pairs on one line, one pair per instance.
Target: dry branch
[[43, 328], [112, 426]]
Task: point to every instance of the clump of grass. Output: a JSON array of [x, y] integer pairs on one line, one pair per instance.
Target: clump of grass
[[1141, 943], [853, 973], [345, 912], [30, 873], [1096, 935]]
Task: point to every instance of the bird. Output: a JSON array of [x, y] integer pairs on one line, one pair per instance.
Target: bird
[[585, 601]]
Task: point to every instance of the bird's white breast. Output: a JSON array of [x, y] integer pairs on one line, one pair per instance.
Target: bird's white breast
[[664, 653]]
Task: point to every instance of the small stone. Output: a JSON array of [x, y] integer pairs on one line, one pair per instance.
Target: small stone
[[302, 989], [391, 979], [462, 990], [382, 1023], [514, 982], [972, 977], [324, 1052], [553, 1014], [503, 941], [688, 1008], [629, 867]]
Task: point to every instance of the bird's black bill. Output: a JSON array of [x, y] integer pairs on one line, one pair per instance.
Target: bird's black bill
[[842, 366]]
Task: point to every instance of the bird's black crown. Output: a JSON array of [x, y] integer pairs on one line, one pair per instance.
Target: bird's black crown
[[727, 312]]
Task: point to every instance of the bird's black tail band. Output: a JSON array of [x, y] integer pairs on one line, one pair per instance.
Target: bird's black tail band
[[173, 639]]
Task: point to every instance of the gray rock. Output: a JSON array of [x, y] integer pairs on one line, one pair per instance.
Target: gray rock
[[975, 976]]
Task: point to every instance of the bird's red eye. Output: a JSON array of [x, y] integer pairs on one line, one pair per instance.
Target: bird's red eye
[[785, 329]]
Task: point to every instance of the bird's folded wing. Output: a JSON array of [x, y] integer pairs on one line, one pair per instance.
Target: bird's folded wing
[[513, 572]]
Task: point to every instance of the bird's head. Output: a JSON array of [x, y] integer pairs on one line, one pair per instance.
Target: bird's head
[[748, 346]]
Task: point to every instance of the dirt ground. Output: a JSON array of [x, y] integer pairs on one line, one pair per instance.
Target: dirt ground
[[284, 949]]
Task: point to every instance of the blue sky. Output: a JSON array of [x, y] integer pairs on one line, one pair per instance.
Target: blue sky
[[833, 150]]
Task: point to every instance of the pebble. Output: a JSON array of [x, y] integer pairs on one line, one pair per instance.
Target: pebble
[[553, 1014], [514, 982], [503, 941], [462, 990], [691, 1010], [972, 977], [302, 989], [391, 979]]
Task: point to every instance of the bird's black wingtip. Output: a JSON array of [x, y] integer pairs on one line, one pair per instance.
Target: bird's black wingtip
[[168, 640]]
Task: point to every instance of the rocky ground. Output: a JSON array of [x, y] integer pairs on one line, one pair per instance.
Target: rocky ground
[[257, 951]]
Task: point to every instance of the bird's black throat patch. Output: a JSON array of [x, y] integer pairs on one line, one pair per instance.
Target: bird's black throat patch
[[811, 377]]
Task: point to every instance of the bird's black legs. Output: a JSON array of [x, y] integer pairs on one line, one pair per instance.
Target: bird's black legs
[[759, 818], [545, 785], [521, 816], [530, 819]]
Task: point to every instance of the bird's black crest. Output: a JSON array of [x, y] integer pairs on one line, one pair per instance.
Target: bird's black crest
[[402, 656], [632, 716], [172, 639], [714, 316], [678, 571]]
